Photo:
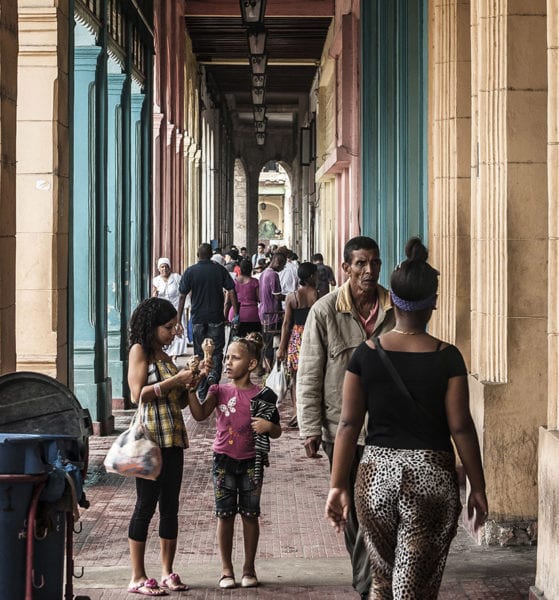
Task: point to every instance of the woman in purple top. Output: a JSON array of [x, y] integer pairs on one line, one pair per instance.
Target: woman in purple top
[[248, 296]]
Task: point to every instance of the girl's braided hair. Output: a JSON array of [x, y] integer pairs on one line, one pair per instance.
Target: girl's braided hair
[[253, 343], [148, 316]]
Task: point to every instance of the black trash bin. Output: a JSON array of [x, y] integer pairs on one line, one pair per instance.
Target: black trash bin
[[45, 433]]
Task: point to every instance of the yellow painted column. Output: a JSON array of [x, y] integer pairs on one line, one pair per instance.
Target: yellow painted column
[[547, 575], [487, 223], [43, 188]]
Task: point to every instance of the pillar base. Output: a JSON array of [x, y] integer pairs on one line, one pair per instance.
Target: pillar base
[[121, 403], [516, 533], [535, 594], [105, 427]]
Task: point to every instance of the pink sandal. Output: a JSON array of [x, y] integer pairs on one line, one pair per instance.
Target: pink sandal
[[173, 582], [149, 587]]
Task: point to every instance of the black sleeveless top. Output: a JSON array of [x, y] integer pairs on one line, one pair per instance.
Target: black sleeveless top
[[392, 422]]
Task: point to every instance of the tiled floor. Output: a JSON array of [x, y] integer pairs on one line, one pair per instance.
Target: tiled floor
[[299, 555]]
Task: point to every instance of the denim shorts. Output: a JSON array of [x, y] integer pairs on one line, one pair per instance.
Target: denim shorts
[[235, 489]]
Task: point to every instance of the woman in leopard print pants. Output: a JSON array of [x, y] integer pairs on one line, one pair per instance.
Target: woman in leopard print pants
[[414, 389]]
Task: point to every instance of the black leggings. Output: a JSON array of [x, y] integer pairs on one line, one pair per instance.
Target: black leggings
[[165, 490]]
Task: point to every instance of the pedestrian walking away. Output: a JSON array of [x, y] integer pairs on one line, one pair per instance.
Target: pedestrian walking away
[[336, 325], [324, 277], [297, 307], [414, 389], [237, 468], [207, 281]]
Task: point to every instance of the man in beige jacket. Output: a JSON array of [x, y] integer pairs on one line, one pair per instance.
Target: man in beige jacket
[[336, 325]]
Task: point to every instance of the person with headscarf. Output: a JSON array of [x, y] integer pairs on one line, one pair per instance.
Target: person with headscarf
[[166, 285]]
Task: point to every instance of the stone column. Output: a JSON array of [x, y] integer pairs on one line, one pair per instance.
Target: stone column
[[8, 95], [509, 256], [547, 575], [43, 188], [449, 206]]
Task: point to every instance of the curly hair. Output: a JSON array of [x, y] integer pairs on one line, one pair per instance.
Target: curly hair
[[148, 316]]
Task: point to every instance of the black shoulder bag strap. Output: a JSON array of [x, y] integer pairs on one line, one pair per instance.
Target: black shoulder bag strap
[[398, 380]]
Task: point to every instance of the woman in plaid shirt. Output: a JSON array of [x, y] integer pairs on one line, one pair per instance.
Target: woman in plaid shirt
[[160, 389]]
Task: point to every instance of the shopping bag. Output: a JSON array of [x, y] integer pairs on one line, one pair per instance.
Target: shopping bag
[[277, 380], [134, 454]]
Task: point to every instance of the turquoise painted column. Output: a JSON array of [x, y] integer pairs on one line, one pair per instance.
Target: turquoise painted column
[[137, 166], [116, 224], [394, 121], [91, 385], [147, 180]]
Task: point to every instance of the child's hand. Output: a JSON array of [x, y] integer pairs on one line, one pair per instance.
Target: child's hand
[[260, 425], [206, 366]]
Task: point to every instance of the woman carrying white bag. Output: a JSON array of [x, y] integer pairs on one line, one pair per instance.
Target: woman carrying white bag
[[161, 392]]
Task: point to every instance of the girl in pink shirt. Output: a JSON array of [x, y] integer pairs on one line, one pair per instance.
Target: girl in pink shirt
[[236, 488]]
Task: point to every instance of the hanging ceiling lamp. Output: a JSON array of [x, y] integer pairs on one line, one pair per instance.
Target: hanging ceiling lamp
[[252, 11]]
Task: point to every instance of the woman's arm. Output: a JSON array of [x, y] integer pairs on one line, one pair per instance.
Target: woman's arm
[[351, 420], [138, 374], [463, 433], [286, 327]]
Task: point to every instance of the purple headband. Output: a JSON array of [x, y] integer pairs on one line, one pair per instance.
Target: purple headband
[[411, 305]]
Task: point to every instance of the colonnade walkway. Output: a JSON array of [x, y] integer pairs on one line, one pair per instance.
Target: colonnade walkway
[[299, 555]]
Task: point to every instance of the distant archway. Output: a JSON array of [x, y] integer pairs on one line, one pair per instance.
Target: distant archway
[[274, 205]]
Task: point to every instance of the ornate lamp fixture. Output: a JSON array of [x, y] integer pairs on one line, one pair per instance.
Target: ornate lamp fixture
[[259, 112], [259, 81], [257, 95], [258, 63], [260, 126], [260, 138], [252, 11], [257, 40]]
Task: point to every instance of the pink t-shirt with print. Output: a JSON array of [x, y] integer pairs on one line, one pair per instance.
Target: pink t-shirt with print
[[234, 436]]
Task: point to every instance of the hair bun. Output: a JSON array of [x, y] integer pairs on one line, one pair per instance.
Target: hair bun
[[416, 251]]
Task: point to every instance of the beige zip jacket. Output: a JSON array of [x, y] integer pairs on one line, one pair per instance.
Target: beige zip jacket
[[332, 332]]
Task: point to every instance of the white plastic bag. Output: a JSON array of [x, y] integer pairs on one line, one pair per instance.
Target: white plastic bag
[[277, 380], [134, 454]]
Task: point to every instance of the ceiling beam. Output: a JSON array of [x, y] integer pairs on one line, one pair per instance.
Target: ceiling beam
[[277, 62], [274, 8]]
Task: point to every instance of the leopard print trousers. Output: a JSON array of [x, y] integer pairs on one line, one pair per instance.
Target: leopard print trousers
[[408, 505]]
